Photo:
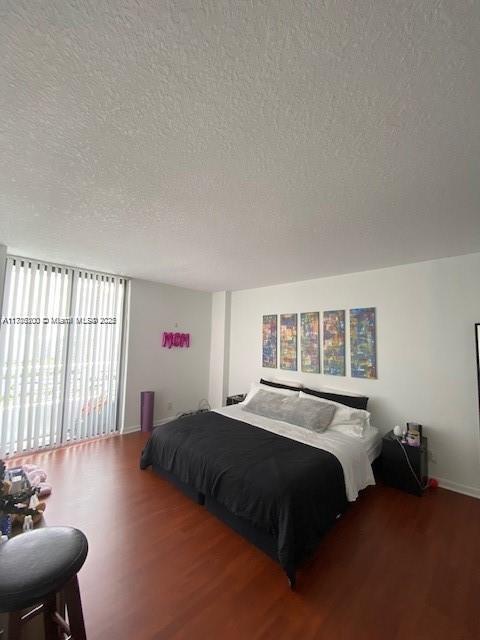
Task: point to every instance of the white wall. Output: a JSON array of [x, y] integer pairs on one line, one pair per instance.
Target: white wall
[[178, 376], [219, 358], [426, 350]]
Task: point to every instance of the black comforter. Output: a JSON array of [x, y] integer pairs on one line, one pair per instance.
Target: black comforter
[[286, 488]]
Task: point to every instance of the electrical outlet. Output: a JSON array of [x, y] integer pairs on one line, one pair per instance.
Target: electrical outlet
[[169, 406]]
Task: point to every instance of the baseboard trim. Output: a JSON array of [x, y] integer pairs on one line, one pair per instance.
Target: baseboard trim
[[474, 492], [131, 429], [136, 427], [165, 420]]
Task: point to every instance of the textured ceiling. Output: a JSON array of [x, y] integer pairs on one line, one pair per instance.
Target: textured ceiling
[[223, 145]]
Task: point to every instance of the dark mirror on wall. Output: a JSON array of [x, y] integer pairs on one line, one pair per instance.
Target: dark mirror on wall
[[477, 345]]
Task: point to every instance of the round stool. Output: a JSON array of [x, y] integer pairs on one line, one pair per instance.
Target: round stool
[[36, 566]]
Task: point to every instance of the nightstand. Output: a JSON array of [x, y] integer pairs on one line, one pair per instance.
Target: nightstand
[[240, 397], [395, 469]]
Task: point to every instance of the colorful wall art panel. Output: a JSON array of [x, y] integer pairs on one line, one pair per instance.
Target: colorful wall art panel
[[363, 343], [334, 343], [310, 341], [269, 341], [288, 341]]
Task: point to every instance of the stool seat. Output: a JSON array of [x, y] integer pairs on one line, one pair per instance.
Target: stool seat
[[37, 563]]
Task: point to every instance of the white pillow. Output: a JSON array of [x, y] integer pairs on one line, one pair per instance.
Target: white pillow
[[353, 422], [352, 429], [255, 386]]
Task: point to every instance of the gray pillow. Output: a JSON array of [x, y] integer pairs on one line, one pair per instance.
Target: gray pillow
[[266, 403], [309, 414]]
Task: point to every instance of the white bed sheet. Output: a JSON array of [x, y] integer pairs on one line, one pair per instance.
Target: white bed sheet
[[372, 441], [350, 452]]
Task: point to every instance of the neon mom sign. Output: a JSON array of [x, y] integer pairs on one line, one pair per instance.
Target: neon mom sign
[[170, 339]]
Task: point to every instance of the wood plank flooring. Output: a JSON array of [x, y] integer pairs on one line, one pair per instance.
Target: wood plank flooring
[[160, 567]]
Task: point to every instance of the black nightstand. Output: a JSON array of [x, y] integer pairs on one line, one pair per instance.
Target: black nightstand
[[240, 397], [394, 466]]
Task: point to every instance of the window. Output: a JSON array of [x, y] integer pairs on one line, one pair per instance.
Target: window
[[60, 354]]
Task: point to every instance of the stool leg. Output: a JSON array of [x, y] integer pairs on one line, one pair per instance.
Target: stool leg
[[14, 625], [74, 608], [61, 611], [49, 626]]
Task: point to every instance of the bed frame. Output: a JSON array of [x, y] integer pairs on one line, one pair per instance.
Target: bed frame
[[263, 540]]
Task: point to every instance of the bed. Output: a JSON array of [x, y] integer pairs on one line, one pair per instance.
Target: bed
[[280, 486]]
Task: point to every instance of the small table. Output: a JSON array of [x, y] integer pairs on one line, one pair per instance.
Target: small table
[[395, 468], [240, 397]]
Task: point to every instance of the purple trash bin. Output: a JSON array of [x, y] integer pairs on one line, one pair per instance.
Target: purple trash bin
[[147, 401]]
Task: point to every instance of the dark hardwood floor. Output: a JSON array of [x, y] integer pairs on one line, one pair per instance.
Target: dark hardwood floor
[[395, 567]]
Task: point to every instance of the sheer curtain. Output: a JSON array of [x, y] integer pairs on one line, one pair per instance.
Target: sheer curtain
[[60, 354]]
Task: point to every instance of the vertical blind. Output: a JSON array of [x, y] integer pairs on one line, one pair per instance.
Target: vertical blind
[[94, 356], [60, 354]]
